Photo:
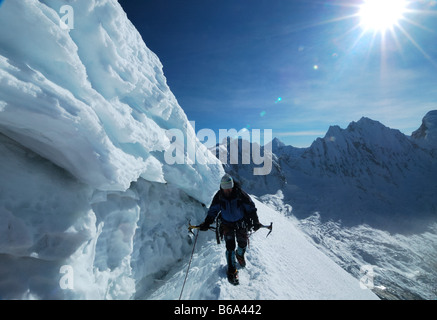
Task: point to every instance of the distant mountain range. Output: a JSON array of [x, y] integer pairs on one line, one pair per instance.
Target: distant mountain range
[[365, 195], [367, 173]]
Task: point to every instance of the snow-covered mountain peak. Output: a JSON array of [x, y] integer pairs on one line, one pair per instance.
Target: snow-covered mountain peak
[[276, 144], [363, 170], [428, 130], [366, 131], [365, 122], [363, 145]]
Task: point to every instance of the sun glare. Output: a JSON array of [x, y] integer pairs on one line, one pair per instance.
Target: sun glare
[[389, 21], [380, 15]]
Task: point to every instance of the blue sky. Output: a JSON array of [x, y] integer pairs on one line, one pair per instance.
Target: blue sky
[[292, 66]]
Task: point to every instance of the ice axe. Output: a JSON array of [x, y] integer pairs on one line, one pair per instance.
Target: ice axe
[[215, 229], [270, 227], [191, 227]]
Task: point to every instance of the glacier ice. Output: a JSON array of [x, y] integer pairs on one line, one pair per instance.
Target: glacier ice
[[84, 116]]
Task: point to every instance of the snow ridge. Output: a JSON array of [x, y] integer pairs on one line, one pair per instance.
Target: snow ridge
[[283, 266]]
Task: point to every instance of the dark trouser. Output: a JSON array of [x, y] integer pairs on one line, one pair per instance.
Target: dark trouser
[[232, 232]]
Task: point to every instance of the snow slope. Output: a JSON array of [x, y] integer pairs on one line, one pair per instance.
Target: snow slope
[[403, 264], [283, 266]]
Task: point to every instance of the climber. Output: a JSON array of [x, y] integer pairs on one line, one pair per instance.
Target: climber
[[238, 216]]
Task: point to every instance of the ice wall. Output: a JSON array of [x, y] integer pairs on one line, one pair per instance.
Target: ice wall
[[89, 208]]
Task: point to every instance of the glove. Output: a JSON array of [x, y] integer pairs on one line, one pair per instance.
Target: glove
[[256, 226], [204, 226]]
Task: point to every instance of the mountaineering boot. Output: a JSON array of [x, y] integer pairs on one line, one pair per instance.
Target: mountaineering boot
[[232, 272], [233, 277], [240, 256]]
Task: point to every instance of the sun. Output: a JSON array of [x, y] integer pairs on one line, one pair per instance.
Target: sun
[[390, 21], [381, 15]]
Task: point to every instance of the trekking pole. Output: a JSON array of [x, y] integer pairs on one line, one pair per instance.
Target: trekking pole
[[189, 264]]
